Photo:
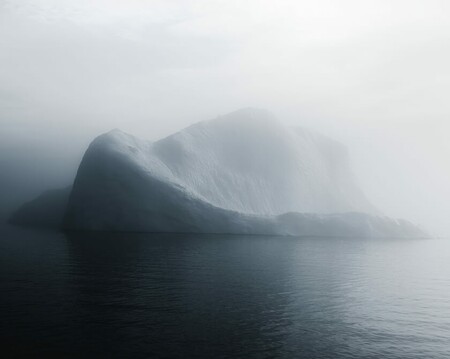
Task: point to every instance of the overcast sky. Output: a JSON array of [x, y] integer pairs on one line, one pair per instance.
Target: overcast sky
[[373, 74]]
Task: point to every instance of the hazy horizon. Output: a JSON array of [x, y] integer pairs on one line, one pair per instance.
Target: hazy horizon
[[372, 75]]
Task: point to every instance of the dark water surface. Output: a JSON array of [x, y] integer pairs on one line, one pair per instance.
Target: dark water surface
[[181, 296]]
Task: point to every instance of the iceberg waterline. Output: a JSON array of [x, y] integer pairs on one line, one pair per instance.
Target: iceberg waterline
[[240, 173]]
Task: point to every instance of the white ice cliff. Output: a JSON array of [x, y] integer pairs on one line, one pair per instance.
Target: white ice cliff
[[241, 173]]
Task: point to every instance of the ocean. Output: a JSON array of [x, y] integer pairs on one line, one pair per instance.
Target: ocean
[[110, 295]]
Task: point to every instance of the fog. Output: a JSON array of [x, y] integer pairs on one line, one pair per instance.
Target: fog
[[372, 74]]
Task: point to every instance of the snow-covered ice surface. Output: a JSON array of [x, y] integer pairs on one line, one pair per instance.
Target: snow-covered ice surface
[[240, 173]]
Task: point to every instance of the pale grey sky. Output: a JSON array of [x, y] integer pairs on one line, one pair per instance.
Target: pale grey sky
[[373, 74]]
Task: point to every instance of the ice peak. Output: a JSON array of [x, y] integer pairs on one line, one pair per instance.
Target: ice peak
[[251, 112], [248, 115]]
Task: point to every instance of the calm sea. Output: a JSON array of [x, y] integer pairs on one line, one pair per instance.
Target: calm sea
[[213, 296]]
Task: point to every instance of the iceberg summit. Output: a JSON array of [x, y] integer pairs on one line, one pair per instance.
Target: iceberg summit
[[242, 173]]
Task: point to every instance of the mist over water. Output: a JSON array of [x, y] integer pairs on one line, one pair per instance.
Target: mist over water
[[370, 74]]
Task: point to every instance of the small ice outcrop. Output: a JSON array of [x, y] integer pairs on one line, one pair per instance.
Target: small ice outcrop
[[46, 211]]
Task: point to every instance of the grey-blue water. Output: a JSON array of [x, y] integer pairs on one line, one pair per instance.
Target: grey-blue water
[[181, 296]]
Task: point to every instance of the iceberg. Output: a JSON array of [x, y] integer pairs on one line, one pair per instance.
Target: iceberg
[[242, 173]]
